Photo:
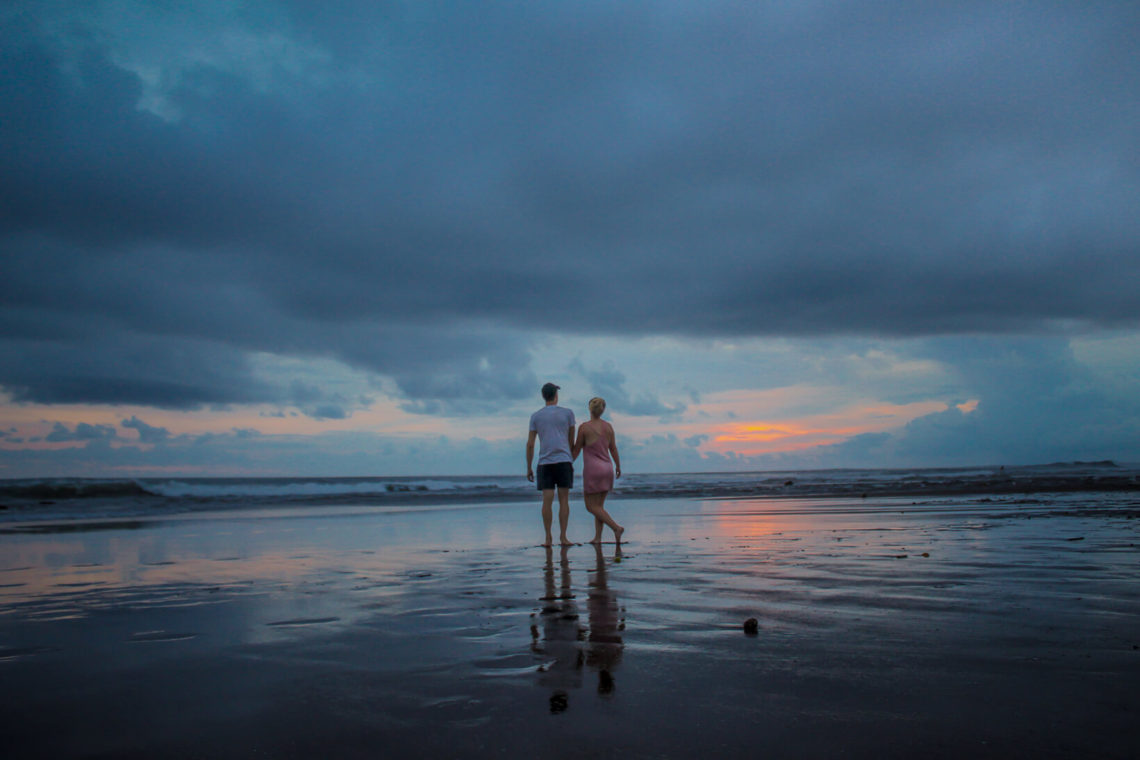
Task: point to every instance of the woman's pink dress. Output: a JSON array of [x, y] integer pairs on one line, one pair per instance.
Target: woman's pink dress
[[597, 467]]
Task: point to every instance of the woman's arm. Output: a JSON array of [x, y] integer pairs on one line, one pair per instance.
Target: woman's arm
[[614, 453], [576, 447]]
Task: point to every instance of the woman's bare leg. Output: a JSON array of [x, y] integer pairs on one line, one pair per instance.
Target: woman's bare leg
[[591, 500], [617, 529], [595, 504]]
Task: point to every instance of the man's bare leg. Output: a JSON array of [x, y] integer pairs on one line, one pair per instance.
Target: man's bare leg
[[563, 514], [548, 514]]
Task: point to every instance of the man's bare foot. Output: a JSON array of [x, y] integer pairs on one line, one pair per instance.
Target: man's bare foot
[[546, 543], [617, 534], [566, 542]]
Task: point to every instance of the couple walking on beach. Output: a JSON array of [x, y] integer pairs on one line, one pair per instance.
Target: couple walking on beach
[[553, 426]]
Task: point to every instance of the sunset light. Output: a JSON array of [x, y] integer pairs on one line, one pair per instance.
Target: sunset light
[[752, 439], [569, 379]]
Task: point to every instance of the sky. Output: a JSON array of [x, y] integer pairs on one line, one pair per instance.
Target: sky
[[355, 238]]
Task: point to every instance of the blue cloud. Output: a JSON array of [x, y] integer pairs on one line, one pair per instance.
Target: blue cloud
[[82, 431], [147, 433], [328, 412], [624, 188], [609, 383]]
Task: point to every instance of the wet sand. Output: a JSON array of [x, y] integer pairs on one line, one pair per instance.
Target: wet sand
[[958, 627]]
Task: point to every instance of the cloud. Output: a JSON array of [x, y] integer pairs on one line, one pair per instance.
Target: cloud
[[1029, 401], [317, 403], [426, 193], [329, 412], [304, 393], [1038, 400], [609, 383], [301, 208], [82, 431], [164, 46], [85, 364], [147, 433], [240, 453]]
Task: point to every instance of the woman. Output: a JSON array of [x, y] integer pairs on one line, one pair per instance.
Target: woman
[[596, 441]]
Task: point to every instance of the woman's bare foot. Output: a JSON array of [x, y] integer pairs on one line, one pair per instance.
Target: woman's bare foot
[[596, 541], [566, 542], [617, 534]]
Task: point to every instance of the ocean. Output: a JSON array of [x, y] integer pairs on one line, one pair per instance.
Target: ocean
[[63, 499]]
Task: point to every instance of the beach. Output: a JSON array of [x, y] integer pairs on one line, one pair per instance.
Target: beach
[[963, 625]]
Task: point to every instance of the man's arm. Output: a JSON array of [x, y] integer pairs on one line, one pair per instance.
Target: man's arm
[[530, 455], [570, 441]]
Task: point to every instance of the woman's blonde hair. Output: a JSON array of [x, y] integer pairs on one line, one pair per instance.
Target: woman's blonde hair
[[597, 406]]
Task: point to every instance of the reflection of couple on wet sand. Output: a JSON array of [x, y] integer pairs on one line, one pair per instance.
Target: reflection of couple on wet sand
[[553, 426], [562, 631]]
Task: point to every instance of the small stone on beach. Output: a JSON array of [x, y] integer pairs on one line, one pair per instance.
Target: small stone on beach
[[751, 626]]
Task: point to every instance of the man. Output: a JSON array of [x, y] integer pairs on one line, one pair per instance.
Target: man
[[554, 427]]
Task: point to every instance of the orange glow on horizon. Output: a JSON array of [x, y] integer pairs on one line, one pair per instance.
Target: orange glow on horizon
[[784, 435], [738, 422]]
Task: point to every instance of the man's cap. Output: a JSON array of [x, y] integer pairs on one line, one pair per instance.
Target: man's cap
[[549, 390]]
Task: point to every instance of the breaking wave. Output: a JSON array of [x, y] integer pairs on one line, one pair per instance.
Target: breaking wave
[[66, 498]]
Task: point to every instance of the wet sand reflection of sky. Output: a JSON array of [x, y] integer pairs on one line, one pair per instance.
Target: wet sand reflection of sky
[[567, 645], [362, 622]]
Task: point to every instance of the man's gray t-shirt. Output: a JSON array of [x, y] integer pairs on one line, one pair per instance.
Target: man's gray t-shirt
[[553, 425]]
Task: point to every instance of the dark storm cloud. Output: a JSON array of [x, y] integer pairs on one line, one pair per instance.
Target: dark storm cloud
[[123, 367], [411, 189]]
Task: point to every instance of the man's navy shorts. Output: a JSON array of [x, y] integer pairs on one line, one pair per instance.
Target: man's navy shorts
[[559, 474]]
